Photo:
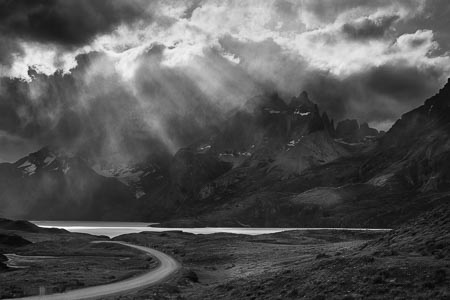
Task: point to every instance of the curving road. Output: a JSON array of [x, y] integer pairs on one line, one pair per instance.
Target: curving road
[[166, 267]]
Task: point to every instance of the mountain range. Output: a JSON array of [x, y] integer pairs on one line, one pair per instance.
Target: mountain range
[[271, 163]]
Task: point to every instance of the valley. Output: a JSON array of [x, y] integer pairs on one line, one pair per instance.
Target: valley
[[412, 261]]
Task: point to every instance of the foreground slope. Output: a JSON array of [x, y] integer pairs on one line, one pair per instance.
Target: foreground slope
[[410, 262]]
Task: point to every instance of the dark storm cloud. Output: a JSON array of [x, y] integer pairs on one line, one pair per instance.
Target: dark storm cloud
[[65, 22], [357, 59], [407, 85], [379, 94], [374, 94], [8, 49], [268, 65], [31, 117], [100, 116], [395, 89], [9, 120], [43, 109], [368, 28], [13, 147]]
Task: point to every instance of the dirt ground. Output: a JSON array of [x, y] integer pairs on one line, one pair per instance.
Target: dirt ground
[[325, 264], [293, 265], [66, 264]]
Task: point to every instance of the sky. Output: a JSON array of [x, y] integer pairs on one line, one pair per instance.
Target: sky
[[117, 78]]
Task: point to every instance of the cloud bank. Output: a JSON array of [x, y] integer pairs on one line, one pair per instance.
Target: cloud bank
[[117, 78]]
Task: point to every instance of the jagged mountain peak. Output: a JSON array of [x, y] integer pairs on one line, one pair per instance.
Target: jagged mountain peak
[[302, 101], [48, 158], [50, 184], [50, 151], [350, 130]]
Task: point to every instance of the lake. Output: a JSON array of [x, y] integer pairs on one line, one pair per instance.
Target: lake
[[112, 229]]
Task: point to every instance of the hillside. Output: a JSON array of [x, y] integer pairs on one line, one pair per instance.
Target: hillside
[[322, 182], [52, 185], [272, 163]]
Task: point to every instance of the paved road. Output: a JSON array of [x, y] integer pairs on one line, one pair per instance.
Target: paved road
[[167, 267]]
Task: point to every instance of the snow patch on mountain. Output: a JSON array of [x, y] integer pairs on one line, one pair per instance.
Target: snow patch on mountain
[[380, 180], [30, 169], [293, 143], [25, 164], [203, 148], [49, 159], [65, 168], [302, 114], [131, 176]]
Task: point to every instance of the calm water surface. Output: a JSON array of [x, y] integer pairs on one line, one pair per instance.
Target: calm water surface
[[113, 229]]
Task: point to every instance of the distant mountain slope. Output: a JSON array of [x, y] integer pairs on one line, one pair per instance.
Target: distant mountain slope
[[353, 132], [417, 148], [388, 181], [267, 142], [51, 185], [269, 163]]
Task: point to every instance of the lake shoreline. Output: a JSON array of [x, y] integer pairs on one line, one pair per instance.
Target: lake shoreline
[[113, 229]]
